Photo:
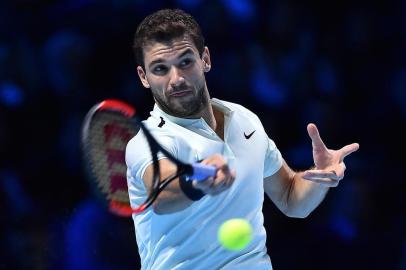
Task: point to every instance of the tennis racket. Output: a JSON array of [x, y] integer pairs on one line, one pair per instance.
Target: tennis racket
[[106, 130]]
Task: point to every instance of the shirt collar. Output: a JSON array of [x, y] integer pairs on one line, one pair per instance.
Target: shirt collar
[[186, 121]]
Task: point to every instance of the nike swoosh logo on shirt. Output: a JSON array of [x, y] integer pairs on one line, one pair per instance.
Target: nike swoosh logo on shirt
[[249, 135]]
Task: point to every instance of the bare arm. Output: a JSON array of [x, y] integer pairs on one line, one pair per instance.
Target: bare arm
[[297, 194], [293, 195], [172, 199]]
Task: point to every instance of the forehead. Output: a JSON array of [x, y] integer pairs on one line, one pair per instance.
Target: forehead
[[168, 50]]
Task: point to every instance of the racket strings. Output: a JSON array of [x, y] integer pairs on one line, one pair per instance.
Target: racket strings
[[111, 132], [107, 140]]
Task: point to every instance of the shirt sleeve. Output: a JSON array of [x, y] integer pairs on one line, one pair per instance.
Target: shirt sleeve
[[138, 154], [138, 157], [273, 159]]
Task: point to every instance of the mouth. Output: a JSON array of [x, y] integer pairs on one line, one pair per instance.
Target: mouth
[[180, 93]]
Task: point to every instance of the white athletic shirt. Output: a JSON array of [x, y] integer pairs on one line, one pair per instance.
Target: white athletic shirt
[[188, 239]]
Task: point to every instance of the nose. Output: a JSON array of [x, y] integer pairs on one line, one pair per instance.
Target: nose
[[177, 78]]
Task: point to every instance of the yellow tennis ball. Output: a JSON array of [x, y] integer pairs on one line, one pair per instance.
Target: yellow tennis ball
[[235, 234]]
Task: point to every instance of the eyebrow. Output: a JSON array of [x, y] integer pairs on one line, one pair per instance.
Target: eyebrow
[[160, 60]]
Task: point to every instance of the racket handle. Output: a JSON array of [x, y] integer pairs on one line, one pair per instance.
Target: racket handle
[[202, 171]]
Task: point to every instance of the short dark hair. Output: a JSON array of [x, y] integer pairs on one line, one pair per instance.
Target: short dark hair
[[163, 26]]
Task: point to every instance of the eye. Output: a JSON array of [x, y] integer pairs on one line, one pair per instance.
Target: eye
[[160, 69], [186, 62]]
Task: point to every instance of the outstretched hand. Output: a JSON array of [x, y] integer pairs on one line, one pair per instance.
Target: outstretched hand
[[329, 163]]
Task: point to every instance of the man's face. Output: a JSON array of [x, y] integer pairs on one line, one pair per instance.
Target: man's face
[[175, 74]]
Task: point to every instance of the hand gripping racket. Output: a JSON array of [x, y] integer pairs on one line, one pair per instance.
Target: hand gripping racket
[[106, 130]]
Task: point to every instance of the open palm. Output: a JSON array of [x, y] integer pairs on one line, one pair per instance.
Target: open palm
[[329, 163]]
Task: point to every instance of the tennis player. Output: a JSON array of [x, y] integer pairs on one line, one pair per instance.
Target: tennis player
[[180, 230]]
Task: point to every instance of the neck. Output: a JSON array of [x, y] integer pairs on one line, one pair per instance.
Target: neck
[[207, 112], [215, 119], [208, 116]]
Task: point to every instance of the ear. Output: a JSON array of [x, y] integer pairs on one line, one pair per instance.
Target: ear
[[143, 77], [206, 59]]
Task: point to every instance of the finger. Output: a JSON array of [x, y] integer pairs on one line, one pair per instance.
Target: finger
[[203, 185], [230, 180], [219, 162], [220, 179], [340, 170], [317, 142], [233, 175], [348, 149], [216, 191], [325, 181], [315, 174], [217, 188], [222, 182]]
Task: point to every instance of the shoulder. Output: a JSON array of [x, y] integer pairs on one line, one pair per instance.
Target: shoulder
[[241, 111], [163, 137], [137, 149], [234, 107]]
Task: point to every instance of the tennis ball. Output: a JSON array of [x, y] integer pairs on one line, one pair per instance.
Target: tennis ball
[[235, 234]]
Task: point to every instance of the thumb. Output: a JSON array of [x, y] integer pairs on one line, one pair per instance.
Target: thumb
[[348, 149]]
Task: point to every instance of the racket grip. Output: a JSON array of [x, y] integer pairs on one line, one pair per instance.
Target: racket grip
[[202, 171]]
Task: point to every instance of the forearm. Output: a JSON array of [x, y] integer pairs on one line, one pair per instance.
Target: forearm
[[181, 193], [303, 196], [298, 194], [171, 199]]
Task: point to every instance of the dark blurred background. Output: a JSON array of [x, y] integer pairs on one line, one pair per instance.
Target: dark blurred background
[[339, 64]]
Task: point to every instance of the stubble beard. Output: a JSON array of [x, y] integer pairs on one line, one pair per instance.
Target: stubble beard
[[190, 109]]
